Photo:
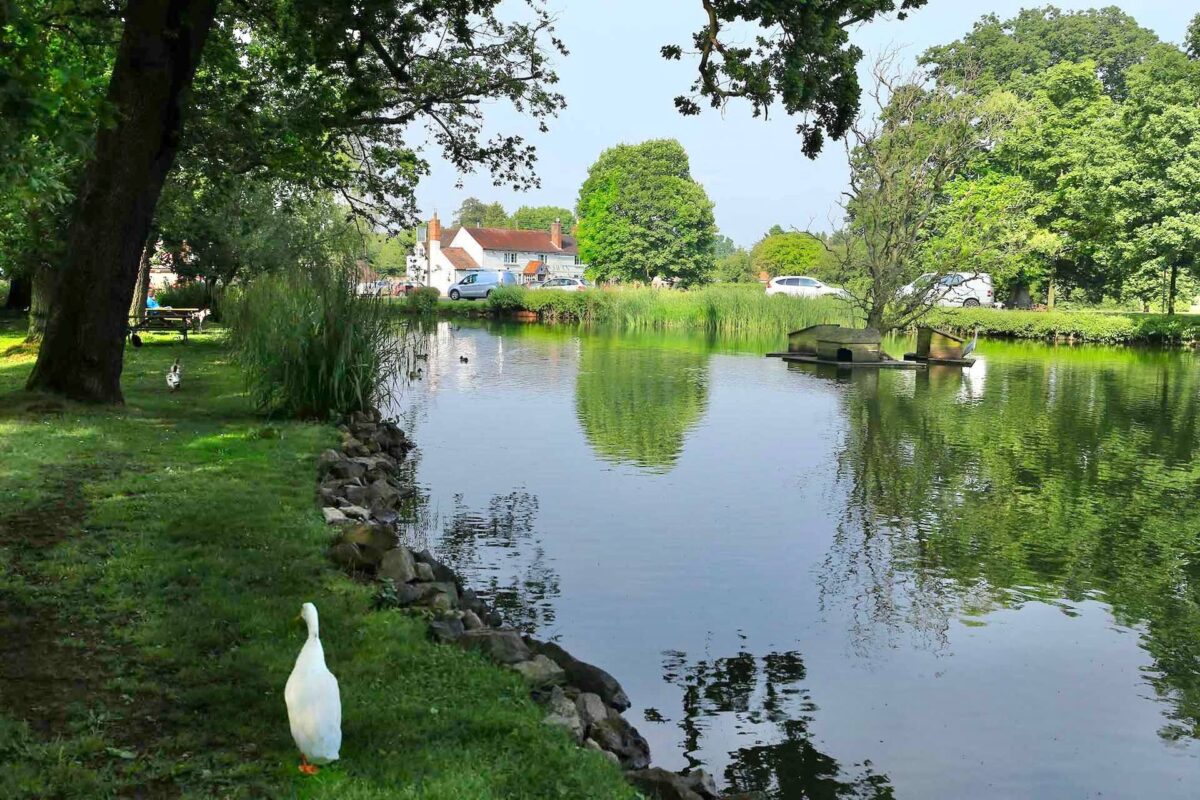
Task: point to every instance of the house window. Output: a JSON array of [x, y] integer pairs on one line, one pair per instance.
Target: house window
[[510, 258], [542, 257], [577, 261]]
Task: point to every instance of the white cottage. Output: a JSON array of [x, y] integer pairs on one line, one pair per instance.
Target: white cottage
[[444, 257]]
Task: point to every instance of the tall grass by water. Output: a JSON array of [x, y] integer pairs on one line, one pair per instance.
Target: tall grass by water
[[724, 309], [309, 345]]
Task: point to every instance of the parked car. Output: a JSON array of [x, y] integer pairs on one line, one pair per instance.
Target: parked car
[[967, 289], [802, 286], [564, 284], [403, 288], [481, 284]]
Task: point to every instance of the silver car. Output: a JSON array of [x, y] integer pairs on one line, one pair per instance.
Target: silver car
[[481, 284]]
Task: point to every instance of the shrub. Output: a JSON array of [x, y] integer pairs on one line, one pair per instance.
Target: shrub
[[507, 298], [423, 300], [190, 294], [1084, 326], [309, 345]]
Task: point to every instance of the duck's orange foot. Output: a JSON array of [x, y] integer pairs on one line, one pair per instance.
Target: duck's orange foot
[[309, 769]]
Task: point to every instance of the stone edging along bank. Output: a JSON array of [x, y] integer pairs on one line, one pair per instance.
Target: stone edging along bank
[[362, 489]]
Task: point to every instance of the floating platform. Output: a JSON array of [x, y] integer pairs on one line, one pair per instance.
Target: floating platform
[[953, 362], [889, 363]]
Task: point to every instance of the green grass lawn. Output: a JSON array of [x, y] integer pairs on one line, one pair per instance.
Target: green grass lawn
[[153, 559]]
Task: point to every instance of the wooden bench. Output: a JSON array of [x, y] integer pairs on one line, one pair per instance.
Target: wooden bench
[[167, 320]]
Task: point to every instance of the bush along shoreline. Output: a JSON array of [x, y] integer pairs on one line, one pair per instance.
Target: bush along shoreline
[[738, 311], [362, 490]]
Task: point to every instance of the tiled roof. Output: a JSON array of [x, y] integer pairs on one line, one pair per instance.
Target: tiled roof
[[460, 258], [524, 241], [448, 235], [533, 267]]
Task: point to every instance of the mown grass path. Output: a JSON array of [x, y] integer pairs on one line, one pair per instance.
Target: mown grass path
[[153, 559]]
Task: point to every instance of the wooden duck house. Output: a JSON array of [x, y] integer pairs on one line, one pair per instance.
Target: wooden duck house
[[939, 347], [849, 345], [804, 341], [932, 343]]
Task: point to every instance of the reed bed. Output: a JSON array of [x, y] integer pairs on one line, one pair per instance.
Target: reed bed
[[722, 309], [309, 345]]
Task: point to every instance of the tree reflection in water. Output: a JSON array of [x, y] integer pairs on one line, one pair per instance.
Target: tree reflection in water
[[1072, 477], [765, 696], [636, 404], [499, 556]]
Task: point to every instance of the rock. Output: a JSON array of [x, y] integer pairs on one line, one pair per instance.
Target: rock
[[398, 565], [356, 512], [503, 646], [438, 596], [356, 495], [446, 630], [561, 712], [382, 495], [591, 708], [346, 468], [660, 784], [349, 556], [471, 621], [440, 570], [702, 784], [540, 671], [616, 735], [425, 572], [326, 460], [472, 602], [334, 516], [586, 676], [494, 620], [408, 594], [374, 539], [328, 495]]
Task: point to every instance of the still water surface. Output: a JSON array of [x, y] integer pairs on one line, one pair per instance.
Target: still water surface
[[945, 584]]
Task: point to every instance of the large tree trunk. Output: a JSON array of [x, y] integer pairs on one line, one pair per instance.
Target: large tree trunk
[[1172, 288], [40, 300], [19, 290], [141, 289], [82, 353], [1050, 296]]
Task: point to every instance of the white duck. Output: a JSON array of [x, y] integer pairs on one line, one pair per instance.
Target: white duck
[[314, 703], [174, 376]]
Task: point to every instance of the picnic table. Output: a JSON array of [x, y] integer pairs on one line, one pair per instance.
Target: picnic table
[[167, 320]]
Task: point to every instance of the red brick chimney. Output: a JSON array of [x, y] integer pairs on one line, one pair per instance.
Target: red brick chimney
[[556, 233], [435, 229]]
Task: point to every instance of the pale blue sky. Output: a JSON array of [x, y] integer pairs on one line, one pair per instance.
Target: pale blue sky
[[619, 89]]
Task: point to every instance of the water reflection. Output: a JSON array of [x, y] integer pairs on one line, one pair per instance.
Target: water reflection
[[504, 560], [1067, 479], [765, 698], [636, 404]]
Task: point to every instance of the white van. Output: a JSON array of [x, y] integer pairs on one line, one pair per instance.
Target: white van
[[966, 289], [479, 284]]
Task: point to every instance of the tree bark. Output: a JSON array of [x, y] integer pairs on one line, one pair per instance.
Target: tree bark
[[1172, 288], [19, 290], [141, 289], [1050, 296], [40, 298], [83, 350]]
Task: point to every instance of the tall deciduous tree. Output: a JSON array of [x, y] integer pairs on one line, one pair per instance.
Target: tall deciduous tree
[[900, 164], [474, 213], [801, 60], [642, 216], [997, 53], [1160, 209], [540, 218], [81, 354], [360, 77], [790, 253]]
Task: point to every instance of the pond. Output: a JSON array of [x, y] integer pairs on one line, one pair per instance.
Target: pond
[[956, 583]]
